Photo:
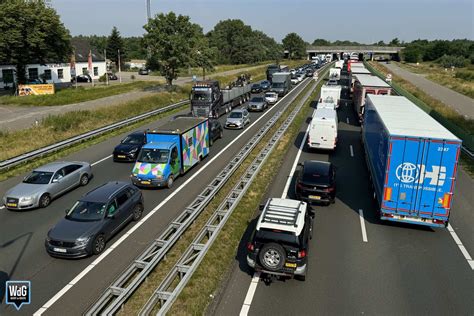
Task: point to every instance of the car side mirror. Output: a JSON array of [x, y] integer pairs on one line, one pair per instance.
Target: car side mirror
[[56, 180]]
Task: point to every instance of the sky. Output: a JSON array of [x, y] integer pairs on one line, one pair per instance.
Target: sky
[[365, 21]]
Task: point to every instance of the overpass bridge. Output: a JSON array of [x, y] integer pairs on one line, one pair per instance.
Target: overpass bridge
[[368, 50]]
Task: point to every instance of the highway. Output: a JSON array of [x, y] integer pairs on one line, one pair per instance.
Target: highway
[[357, 263], [23, 256]]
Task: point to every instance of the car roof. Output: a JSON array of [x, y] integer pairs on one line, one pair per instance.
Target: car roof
[[163, 145], [55, 166], [137, 133], [104, 192], [283, 214]]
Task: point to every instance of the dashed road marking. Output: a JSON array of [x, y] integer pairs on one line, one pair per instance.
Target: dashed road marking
[[362, 226], [99, 161], [250, 294], [352, 151], [461, 247], [347, 120]]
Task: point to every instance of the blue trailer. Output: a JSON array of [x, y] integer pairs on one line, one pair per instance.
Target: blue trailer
[[412, 161]]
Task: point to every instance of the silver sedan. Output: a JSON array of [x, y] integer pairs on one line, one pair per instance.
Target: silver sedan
[[44, 184]]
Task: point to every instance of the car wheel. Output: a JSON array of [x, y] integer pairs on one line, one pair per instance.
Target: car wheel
[[272, 256], [211, 141], [170, 182], [137, 212], [84, 180], [98, 244], [221, 134], [45, 200]]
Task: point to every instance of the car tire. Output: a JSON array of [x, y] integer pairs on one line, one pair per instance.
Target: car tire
[[84, 180], [137, 212], [169, 182], [211, 141], [98, 244], [221, 134], [272, 256], [44, 200]]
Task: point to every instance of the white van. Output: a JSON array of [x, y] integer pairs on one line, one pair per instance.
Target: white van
[[331, 94], [323, 129]]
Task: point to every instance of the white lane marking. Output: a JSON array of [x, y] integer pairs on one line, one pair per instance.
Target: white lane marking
[[99, 161], [352, 151], [2, 207], [362, 226], [461, 247], [153, 211], [250, 293], [347, 120]]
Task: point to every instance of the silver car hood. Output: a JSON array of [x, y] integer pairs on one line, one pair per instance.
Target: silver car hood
[[25, 189], [235, 120], [259, 104]]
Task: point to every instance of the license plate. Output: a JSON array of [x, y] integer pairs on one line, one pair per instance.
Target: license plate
[[121, 156], [290, 265], [12, 204], [231, 124], [62, 250], [145, 182], [315, 197]]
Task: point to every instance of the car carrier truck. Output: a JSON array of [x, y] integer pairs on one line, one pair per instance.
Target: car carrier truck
[[209, 100], [412, 161], [171, 151]]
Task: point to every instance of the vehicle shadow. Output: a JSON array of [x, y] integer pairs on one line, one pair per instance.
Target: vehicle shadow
[[241, 255]]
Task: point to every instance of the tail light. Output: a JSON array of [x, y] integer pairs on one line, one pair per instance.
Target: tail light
[[250, 246], [387, 215], [330, 189], [387, 195], [446, 200], [301, 254], [438, 221]]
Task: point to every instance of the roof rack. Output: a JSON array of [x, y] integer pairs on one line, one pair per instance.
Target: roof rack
[[281, 214]]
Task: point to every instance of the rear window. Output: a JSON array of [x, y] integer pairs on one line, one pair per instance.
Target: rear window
[[315, 174], [267, 235]]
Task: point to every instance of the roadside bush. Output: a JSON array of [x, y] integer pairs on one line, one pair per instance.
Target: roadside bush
[[132, 77], [102, 78], [465, 75], [448, 61]]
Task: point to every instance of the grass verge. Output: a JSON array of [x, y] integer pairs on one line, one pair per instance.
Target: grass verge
[[139, 298], [81, 94]]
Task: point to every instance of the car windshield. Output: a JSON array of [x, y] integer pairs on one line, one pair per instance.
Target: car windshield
[[153, 155], [38, 177], [201, 96], [133, 139], [235, 115], [265, 83], [270, 95], [86, 211], [259, 99], [278, 85], [256, 86]]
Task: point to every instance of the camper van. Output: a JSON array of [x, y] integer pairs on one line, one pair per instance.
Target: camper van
[[323, 129]]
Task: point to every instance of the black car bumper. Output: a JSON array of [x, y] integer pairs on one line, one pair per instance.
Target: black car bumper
[[127, 157], [148, 183]]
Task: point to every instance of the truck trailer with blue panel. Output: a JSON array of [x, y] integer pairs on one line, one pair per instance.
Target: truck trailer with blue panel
[[171, 151], [412, 161]]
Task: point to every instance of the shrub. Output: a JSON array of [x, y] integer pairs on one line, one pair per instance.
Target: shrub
[[448, 61], [465, 75], [102, 78], [132, 77]]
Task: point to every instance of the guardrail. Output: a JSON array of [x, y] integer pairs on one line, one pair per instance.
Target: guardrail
[[467, 139], [6, 164], [121, 289]]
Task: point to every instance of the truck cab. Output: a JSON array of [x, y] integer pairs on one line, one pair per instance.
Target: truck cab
[[205, 97]]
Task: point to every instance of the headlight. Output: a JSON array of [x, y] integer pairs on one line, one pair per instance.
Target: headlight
[[27, 199], [134, 150], [82, 241]]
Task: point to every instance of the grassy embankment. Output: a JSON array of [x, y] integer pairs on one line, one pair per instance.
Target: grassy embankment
[[81, 94], [206, 280], [460, 80]]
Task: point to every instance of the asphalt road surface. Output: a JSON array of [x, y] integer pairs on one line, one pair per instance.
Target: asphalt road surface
[[22, 234], [398, 270], [464, 105]]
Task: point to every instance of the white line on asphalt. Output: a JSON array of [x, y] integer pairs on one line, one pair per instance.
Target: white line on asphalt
[[2, 207], [153, 211], [461, 246], [250, 293], [352, 151], [362, 226], [99, 161], [347, 120]]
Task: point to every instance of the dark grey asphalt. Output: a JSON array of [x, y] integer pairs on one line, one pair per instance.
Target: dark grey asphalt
[[401, 270], [23, 256]]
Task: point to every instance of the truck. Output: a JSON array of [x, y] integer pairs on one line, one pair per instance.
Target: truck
[[271, 69], [330, 94], [339, 64], [281, 83], [209, 100], [335, 73], [412, 161], [364, 85], [171, 151]]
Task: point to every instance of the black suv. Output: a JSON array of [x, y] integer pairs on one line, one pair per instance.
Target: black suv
[[94, 219], [279, 244], [216, 131]]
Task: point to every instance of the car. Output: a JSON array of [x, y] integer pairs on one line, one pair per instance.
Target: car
[[271, 97], [301, 76], [82, 78], [316, 182], [94, 219], [45, 183], [309, 73], [129, 147], [265, 84], [332, 82], [279, 244], [257, 104], [112, 76], [256, 88], [294, 79], [216, 131], [238, 118], [143, 71]]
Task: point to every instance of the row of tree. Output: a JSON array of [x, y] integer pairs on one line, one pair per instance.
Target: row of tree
[[460, 51]]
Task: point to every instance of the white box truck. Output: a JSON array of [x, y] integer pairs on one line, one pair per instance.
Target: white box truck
[[331, 94], [335, 73], [323, 129]]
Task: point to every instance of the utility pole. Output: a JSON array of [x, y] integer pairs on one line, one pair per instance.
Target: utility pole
[[106, 70], [148, 10]]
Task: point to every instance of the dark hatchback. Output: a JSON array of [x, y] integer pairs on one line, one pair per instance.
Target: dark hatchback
[[129, 147], [94, 219], [216, 131], [316, 182], [265, 84], [256, 88]]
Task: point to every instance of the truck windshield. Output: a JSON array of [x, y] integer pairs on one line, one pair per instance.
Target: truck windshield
[[201, 96], [278, 85], [153, 155]]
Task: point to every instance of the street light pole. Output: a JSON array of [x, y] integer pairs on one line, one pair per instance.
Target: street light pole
[[119, 63], [148, 10]]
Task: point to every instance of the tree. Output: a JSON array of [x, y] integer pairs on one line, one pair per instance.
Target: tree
[[295, 45], [114, 45], [204, 56], [321, 42], [172, 41], [31, 32], [412, 53], [394, 42]]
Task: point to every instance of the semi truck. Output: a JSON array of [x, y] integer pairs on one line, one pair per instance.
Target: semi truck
[[281, 83], [209, 100], [364, 85], [412, 161], [271, 69], [171, 151]]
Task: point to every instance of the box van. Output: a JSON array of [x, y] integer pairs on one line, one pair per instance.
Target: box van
[[323, 129]]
